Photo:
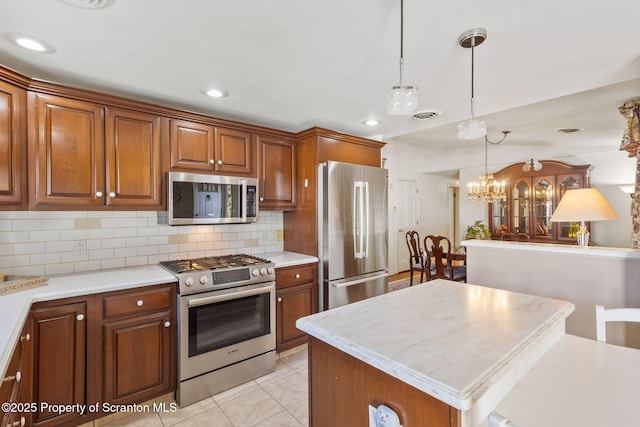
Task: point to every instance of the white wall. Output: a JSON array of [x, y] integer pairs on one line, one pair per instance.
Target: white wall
[[428, 166]]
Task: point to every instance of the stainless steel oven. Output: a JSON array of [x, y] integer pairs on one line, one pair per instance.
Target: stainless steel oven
[[226, 314]]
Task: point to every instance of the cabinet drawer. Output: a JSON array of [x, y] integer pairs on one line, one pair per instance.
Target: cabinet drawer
[[290, 276], [137, 302]]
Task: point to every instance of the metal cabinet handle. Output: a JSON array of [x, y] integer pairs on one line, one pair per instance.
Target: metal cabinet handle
[[262, 199], [211, 161], [98, 193], [112, 194], [219, 162], [80, 317], [279, 299], [139, 303], [167, 324], [298, 276], [25, 337]]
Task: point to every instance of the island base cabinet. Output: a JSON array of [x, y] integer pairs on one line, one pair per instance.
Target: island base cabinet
[[341, 388]]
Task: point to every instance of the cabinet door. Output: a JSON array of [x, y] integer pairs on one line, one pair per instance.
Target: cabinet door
[[543, 202], [59, 360], [192, 145], [292, 304], [133, 159], [234, 152], [66, 152], [277, 174], [13, 165], [567, 230], [138, 358]]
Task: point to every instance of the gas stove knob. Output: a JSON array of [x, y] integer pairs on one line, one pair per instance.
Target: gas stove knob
[[270, 270], [189, 281], [255, 271], [204, 280], [263, 271]]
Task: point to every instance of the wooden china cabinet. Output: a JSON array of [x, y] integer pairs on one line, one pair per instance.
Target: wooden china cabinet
[[532, 196]]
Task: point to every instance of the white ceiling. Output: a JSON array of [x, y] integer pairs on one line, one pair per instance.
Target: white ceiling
[[294, 64]]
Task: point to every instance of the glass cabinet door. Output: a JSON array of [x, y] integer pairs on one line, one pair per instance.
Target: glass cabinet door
[[543, 207], [567, 230], [520, 200], [499, 217]]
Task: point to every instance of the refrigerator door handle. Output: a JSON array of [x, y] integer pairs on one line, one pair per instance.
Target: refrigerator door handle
[[358, 214], [365, 227], [358, 281]]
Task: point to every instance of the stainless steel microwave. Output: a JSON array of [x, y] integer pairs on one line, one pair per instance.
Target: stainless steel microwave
[[209, 199]]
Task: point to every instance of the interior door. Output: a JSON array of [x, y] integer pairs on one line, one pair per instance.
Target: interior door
[[407, 216]]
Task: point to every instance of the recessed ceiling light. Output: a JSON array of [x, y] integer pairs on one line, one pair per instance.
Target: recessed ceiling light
[[30, 42], [216, 93], [570, 130], [371, 122]]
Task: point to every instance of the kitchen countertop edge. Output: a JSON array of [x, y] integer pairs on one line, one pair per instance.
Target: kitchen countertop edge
[[289, 259]]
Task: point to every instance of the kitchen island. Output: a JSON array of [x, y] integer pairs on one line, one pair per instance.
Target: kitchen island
[[441, 353]]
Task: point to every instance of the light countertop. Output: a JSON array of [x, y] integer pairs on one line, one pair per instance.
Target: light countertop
[[598, 251], [15, 307], [288, 259], [579, 382], [451, 340]]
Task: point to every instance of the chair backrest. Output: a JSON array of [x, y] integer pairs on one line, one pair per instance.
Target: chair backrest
[[515, 237], [439, 248], [413, 243], [604, 315]]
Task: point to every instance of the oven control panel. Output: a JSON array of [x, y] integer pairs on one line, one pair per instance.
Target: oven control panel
[[225, 278]]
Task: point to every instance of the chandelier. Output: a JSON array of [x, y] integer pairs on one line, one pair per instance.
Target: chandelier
[[402, 99], [487, 189]]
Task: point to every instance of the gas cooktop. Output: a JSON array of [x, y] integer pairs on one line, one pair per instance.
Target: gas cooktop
[[212, 263], [219, 272]]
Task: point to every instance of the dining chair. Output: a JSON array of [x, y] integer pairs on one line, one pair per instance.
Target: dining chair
[[604, 315], [416, 262], [438, 249], [515, 237]]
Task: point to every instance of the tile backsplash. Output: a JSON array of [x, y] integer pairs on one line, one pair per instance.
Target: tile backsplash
[[50, 243]]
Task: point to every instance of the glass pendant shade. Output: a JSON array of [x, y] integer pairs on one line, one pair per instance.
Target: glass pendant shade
[[472, 129], [402, 100]]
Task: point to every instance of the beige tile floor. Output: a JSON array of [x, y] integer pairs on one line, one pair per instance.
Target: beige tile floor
[[275, 400]]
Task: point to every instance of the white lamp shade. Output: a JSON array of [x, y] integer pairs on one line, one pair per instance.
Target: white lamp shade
[[583, 204], [472, 129], [403, 100]]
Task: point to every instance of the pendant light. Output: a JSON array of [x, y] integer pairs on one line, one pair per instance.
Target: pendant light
[[403, 99], [472, 128]]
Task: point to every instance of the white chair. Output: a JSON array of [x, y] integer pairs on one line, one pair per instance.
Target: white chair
[[604, 315]]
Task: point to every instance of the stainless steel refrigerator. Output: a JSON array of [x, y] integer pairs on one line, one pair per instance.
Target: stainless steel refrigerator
[[352, 233]]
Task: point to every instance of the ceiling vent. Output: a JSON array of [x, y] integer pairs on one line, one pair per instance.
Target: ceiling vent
[[89, 4], [426, 114]]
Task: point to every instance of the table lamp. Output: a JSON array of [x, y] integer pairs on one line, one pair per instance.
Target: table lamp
[[583, 204]]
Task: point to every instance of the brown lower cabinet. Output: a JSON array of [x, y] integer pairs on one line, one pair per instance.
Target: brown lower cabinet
[[296, 297], [107, 349], [348, 386]]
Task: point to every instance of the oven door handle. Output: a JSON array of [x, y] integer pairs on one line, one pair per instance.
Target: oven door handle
[[229, 296]]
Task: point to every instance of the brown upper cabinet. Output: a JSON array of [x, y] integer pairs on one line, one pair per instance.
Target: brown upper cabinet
[[315, 146], [85, 156], [277, 173], [13, 166], [206, 148], [532, 196]]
